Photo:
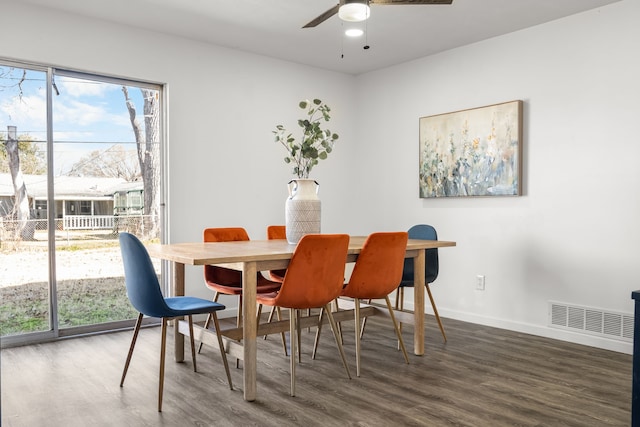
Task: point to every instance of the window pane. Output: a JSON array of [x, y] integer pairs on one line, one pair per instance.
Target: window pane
[[24, 256], [97, 168]]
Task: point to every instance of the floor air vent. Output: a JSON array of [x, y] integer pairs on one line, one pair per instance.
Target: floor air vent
[[593, 321]]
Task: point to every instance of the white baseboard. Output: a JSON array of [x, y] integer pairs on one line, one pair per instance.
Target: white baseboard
[[539, 330], [527, 328]]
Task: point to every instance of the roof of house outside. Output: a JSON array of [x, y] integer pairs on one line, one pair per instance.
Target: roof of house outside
[[69, 187]]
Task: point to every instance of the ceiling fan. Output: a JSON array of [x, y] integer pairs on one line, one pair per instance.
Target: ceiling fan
[[358, 10]]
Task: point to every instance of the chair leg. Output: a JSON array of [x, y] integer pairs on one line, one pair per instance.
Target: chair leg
[[316, 341], [400, 292], [299, 332], [357, 330], [208, 321], [274, 309], [206, 326], [270, 318], [239, 318], [223, 353], [193, 346], [133, 344], [258, 315], [239, 323], [364, 322], [162, 353], [339, 323], [292, 351], [338, 338], [395, 326], [282, 335], [435, 312]]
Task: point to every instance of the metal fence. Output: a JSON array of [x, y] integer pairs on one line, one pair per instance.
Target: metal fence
[[78, 227]]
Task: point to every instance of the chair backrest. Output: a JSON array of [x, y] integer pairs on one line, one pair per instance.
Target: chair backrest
[[225, 234], [221, 275], [423, 232], [315, 273], [276, 232], [143, 288], [378, 269]]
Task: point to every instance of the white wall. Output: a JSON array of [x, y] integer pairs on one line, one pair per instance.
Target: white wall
[[225, 168], [572, 236]]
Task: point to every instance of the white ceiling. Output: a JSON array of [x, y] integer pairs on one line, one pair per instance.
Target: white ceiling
[[273, 28]]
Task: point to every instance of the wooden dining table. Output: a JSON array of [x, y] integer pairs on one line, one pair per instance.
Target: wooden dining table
[[253, 256]]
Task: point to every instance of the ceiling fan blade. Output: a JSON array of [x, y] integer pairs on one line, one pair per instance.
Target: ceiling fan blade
[[320, 19], [399, 2], [334, 10]]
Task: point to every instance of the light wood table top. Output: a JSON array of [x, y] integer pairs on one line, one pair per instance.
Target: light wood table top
[[204, 253]]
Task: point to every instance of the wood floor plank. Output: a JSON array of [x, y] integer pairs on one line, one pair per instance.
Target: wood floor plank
[[481, 377]]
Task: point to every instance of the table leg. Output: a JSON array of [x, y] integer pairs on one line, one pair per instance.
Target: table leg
[[178, 290], [418, 302], [250, 328]]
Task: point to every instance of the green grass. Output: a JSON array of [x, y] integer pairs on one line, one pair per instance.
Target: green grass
[[26, 308], [81, 246]]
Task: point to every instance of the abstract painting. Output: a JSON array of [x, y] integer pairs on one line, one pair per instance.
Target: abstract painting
[[475, 152]]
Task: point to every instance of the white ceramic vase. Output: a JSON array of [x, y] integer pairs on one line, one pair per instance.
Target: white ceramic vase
[[302, 209]]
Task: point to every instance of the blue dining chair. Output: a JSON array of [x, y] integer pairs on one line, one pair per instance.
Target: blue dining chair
[[422, 232], [143, 290]]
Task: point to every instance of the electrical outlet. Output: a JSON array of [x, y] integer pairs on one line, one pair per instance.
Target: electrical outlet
[[480, 282]]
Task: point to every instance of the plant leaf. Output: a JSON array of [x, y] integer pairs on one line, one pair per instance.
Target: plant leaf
[[316, 143]]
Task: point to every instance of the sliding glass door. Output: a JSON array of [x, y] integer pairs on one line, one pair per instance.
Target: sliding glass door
[[90, 168], [25, 295]]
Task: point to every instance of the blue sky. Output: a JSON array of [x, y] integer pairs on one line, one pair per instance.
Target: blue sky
[[87, 115]]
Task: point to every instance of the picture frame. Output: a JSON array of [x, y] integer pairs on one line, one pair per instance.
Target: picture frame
[[472, 153]]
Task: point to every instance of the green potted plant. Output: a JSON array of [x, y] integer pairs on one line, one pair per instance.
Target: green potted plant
[[302, 210], [316, 143]]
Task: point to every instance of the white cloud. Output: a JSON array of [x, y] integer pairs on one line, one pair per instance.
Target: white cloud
[[71, 114], [78, 88], [28, 114]]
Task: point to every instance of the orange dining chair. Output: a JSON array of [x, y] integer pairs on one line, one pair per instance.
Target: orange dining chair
[[226, 281], [377, 273], [314, 278], [277, 232]]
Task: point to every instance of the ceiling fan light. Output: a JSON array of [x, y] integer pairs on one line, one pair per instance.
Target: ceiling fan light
[[354, 12], [354, 32]]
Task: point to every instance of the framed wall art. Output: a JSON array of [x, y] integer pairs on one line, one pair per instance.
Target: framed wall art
[[475, 152]]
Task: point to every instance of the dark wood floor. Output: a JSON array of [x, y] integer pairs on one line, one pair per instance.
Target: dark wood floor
[[481, 377]]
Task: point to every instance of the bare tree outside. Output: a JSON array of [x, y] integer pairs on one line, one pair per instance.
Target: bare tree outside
[[21, 205], [114, 162], [32, 158], [12, 154], [147, 141], [7, 75]]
